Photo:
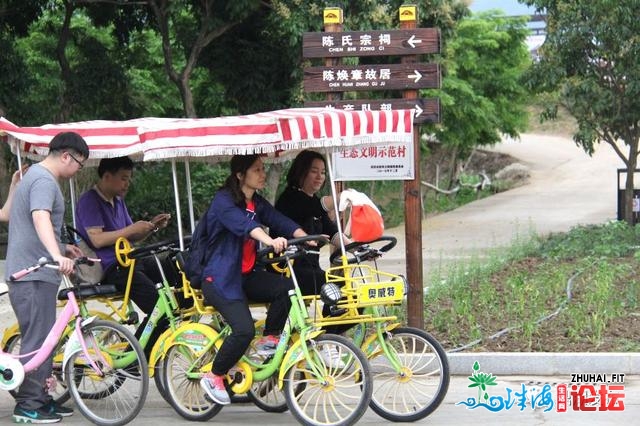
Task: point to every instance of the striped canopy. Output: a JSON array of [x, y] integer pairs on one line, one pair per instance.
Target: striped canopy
[[106, 139], [274, 132], [216, 138]]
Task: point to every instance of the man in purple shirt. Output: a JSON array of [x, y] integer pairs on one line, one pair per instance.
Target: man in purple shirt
[[102, 217]]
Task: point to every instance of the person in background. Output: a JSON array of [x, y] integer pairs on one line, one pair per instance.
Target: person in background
[[35, 224], [301, 203], [4, 211], [230, 278], [102, 217]]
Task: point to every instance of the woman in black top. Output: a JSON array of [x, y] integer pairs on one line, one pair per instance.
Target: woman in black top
[[300, 202]]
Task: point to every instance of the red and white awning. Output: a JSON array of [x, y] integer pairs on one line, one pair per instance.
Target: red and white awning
[[264, 133], [274, 132], [106, 139]]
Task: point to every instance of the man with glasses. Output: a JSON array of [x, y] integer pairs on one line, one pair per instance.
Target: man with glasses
[[35, 223], [78, 162]]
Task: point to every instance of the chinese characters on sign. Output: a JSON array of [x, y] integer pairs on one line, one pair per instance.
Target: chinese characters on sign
[[388, 293], [396, 162], [378, 162], [381, 293], [595, 392], [371, 43], [427, 110], [372, 77]]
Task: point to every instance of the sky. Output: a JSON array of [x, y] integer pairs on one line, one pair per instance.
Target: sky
[[510, 7]]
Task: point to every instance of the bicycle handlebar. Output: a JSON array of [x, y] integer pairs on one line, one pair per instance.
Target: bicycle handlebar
[[295, 248], [48, 263], [363, 251], [162, 246]]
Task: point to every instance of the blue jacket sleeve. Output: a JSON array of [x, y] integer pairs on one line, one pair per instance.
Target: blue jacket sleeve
[[236, 220]]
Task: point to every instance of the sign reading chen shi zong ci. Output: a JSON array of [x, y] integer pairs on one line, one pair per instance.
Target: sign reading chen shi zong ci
[[371, 43]]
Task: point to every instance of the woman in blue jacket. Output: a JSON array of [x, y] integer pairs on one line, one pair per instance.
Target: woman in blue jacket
[[234, 221]]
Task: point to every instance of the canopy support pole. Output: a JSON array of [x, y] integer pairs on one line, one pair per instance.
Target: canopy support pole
[[334, 196], [187, 173], [176, 195], [72, 194], [17, 144]]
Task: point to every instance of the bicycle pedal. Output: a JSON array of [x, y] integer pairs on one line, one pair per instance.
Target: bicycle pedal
[[133, 318], [334, 311]]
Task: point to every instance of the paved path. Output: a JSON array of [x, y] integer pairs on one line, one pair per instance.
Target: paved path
[[566, 188], [157, 412]]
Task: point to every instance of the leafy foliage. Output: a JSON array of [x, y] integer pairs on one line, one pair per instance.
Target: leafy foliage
[[481, 94], [591, 56], [152, 191], [613, 239], [250, 60], [577, 291]]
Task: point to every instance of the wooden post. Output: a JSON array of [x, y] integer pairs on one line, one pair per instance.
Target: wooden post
[[333, 20], [412, 200]]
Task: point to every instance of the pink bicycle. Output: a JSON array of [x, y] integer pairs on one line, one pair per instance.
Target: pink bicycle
[[104, 366]]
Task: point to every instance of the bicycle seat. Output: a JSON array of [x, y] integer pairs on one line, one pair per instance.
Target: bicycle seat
[[90, 291]]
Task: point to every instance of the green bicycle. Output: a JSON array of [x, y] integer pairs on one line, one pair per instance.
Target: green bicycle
[[409, 367], [316, 391]]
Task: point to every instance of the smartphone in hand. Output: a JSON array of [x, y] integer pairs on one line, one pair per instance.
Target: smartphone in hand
[[160, 218]]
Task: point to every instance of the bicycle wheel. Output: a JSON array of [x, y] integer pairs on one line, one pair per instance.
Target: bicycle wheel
[[158, 379], [419, 387], [183, 392], [58, 391], [116, 394], [340, 397], [266, 395], [156, 357]]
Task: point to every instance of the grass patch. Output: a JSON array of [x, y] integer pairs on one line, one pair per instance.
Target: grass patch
[[576, 291]]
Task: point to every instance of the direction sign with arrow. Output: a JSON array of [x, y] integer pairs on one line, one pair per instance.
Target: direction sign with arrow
[[427, 110], [371, 43], [343, 78]]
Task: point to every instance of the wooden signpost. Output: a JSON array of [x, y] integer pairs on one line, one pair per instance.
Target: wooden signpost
[[342, 78], [371, 43], [427, 110], [410, 75]]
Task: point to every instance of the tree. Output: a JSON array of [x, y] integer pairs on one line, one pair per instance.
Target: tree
[[186, 28], [482, 96], [591, 59]]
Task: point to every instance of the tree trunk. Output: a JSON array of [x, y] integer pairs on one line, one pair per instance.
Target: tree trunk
[[273, 181], [187, 97], [65, 69], [453, 166], [632, 163]]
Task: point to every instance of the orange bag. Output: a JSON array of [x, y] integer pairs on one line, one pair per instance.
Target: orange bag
[[365, 221]]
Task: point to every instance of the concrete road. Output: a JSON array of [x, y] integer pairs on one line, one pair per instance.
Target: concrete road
[[451, 412]]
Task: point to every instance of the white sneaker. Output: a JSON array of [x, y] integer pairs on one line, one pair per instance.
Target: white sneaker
[[331, 357]]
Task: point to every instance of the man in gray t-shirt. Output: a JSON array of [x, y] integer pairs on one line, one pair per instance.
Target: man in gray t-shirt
[[35, 222]]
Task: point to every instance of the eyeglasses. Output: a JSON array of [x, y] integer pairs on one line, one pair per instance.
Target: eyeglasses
[[80, 163]]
